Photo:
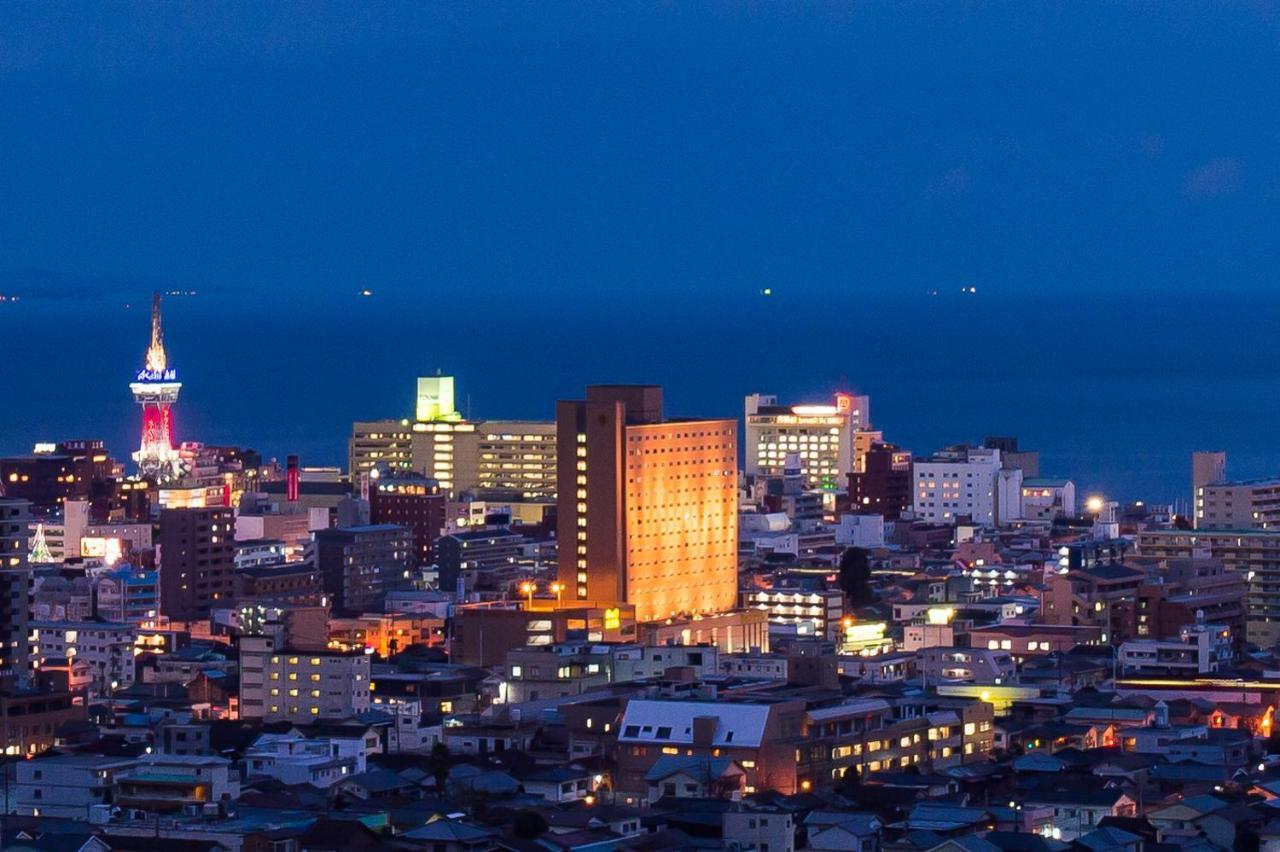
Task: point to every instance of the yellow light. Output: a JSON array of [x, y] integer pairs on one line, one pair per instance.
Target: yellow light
[[1095, 504]]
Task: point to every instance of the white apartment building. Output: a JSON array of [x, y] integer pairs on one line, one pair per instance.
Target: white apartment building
[[107, 648], [65, 786], [821, 436], [294, 759], [959, 481], [300, 685]]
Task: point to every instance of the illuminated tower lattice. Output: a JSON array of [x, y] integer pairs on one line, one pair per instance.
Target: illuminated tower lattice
[[156, 388], [39, 548]]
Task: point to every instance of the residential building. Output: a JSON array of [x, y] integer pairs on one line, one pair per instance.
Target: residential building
[[648, 507], [1047, 499], [808, 613], [1248, 505], [1254, 555], [168, 783], [66, 786], [197, 561], [107, 647], [301, 685], [1206, 467], [470, 556], [884, 484], [958, 482], [359, 565], [411, 501], [281, 582], [16, 590], [1199, 649], [293, 759], [759, 737], [565, 670], [128, 595]]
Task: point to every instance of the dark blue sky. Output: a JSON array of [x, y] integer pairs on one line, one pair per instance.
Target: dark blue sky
[[548, 194], [430, 150]]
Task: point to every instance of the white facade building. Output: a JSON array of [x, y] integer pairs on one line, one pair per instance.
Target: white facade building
[[1046, 499], [107, 648], [957, 481], [865, 531], [293, 759], [822, 436]]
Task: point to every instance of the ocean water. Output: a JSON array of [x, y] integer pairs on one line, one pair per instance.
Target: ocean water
[[1114, 392]]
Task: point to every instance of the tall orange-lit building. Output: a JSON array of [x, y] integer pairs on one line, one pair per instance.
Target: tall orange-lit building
[[647, 507]]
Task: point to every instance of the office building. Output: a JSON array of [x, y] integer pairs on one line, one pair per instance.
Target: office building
[[411, 501], [647, 513], [197, 561], [821, 436], [359, 565], [15, 590], [487, 459]]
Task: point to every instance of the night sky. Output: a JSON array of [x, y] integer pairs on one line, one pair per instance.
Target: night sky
[[549, 194], [304, 150]]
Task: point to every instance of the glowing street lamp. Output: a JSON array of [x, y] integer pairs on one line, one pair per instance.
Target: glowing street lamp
[[1094, 504], [558, 589], [527, 588]]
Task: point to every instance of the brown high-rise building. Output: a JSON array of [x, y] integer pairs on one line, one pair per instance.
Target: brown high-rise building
[[412, 501], [884, 486], [197, 561], [647, 508]]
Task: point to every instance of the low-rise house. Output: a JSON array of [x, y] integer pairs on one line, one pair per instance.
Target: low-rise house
[[66, 786], [567, 783], [168, 782], [694, 778], [1079, 811], [293, 759], [763, 829], [838, 830]]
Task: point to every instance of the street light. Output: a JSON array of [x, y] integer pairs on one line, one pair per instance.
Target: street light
[[527, 588], [558, 589]]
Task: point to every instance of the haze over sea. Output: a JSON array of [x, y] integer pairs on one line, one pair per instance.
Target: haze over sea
[[1114, 392]]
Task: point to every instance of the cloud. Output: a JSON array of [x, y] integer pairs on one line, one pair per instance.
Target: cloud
[[1218, 177], [954, 182]]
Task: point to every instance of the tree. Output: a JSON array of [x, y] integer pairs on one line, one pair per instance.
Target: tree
[[528, 825], [438, 763], [855, 576]]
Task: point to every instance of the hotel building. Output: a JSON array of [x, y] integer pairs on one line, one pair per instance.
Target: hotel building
[[822, 436], [647, 512]]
